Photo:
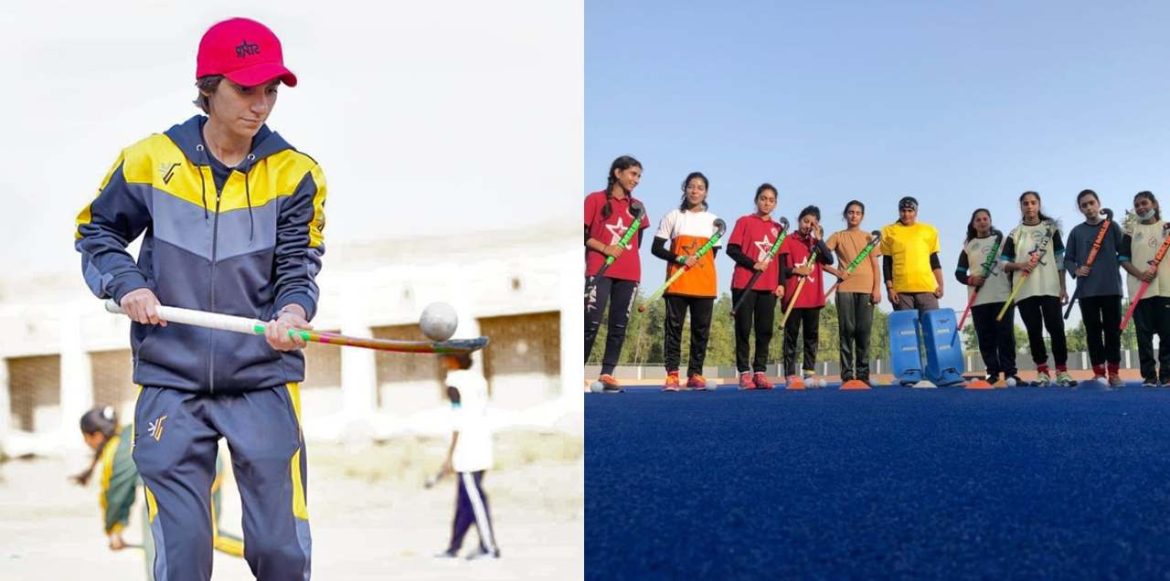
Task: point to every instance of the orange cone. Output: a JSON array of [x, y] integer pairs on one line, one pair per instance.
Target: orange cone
[[979, 384], [854, 385]]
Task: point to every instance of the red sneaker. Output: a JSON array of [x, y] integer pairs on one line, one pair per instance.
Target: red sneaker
[[762, 381], [608, 383], [794, 382], [671, 381], [696, 381], [746, 382]]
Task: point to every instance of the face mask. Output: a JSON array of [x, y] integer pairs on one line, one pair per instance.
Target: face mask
[[1143, 216]]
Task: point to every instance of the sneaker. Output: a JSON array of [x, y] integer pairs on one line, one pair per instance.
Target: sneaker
[[745, 381], [1043, 380], [1115, 380], [1149, 382], [1101, 379], [697, 381], [671, 381], [794, 382], [609, 384], [448, 554], [761, 380], [1013, 380], [1064, 379], [484, 554], [991, 378]]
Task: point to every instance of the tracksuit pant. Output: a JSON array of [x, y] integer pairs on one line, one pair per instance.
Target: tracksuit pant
[[1102, 317], [810, 320], [997, 339], [1039, 313], [854, 325], [471, 507], [758, 311], [176, 436], [676, 314], [1151, 317]]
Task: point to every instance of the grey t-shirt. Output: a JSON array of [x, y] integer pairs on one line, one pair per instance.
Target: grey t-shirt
[[1105, 278]]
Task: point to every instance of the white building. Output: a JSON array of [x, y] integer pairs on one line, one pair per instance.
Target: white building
[[61, 352]]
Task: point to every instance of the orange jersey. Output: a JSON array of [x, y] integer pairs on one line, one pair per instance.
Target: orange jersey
[[687, 232]]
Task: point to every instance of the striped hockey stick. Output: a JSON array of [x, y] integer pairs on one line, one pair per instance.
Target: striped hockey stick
[[256, 327]]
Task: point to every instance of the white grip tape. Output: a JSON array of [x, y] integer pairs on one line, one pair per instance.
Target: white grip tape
[[199, 318]]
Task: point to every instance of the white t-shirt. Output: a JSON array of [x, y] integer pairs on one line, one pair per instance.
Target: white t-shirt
[[997, 287], [473, 451]]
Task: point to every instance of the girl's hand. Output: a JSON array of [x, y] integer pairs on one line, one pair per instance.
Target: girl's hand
[[875, 298], [1149, 274], [893, 297], [1082, 271], [801, 270], [142, 306], [691, 261], [938, 292], [761, 265], [1063, 297], [1025, 266], [975, 281], [613, 250], [116, 542], [277, 332]]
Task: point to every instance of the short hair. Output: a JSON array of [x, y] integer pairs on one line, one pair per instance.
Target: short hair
[[208, 84]]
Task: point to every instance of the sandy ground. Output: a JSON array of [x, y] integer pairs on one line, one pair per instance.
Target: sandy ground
[[371, 517]]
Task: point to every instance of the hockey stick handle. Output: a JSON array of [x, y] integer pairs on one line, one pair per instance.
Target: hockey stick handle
[[637, 211], [248, 326], [720, 228]]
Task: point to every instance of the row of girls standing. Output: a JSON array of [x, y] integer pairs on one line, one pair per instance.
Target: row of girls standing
[[1034, 257], [795, 270]]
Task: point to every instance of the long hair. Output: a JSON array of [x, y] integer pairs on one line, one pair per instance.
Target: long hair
[[706, 185], [620, 164], [971, 223], [764, 187], [1150, 196]]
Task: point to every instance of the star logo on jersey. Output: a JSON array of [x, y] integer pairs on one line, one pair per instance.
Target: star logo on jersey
[[763, 246], [618, 229]]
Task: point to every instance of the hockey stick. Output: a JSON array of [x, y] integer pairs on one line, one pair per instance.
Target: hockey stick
[[875, 239], [636, 210], [720, 228], [1040, 251], [1145, 283], [257, 327], [1101, 231], [766, 258], [988, 265]]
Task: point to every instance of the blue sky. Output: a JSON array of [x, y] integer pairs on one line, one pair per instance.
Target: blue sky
[[960, 104]]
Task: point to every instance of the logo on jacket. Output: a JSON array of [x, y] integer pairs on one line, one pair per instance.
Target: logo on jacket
[[156, 428], [167, 171]]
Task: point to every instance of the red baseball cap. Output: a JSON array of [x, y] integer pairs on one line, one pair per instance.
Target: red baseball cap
[[244, 51]]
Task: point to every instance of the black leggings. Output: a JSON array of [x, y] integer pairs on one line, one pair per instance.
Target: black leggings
[[810, 319], [997, 339], [1039, 313], [676, 314], [1152, 317], [622, 294], [759, 311], [1102, 316]]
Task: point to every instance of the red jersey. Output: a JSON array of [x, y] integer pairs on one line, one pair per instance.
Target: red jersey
[[795, 251], [755, 236], [610, 231]]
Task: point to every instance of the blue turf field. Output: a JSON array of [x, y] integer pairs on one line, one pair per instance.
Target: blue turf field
[[1010, 483]]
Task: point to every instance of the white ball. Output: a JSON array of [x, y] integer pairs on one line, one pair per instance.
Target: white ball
[[438, 321], [1011, 382], [596, 387]]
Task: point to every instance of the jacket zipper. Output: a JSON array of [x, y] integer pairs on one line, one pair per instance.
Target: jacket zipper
[[214, 244]]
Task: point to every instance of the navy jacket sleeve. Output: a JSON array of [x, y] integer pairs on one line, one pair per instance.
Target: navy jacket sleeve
[[300, 244], [115, 218]]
